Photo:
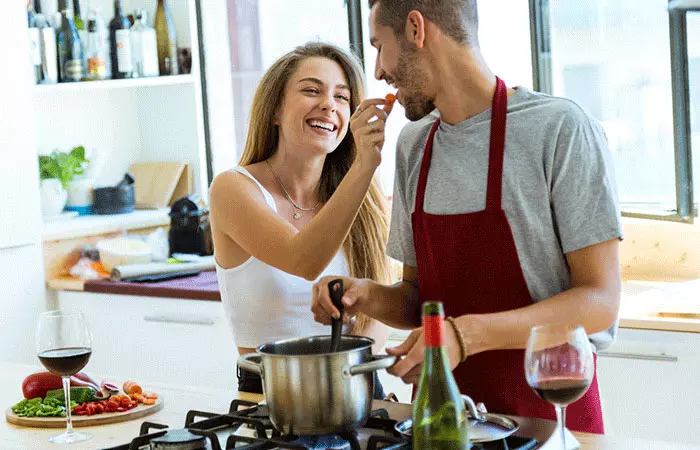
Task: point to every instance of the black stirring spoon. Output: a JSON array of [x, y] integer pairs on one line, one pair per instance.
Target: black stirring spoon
[[335, 288]]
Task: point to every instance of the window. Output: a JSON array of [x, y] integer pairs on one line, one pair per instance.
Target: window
[[509, 57], [625, 63], [260, 31]]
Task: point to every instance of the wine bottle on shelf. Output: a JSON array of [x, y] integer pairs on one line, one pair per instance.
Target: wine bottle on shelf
[[34, 42], [440, 420], [167, 40], [37, 6], [70, 49], [144, 47], [79, 22], [120, 44], [97, 46]]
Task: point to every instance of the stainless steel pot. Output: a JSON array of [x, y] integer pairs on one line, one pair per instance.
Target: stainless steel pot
[[310, 391]]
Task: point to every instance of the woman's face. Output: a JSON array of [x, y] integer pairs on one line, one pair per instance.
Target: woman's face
[[315, 112]]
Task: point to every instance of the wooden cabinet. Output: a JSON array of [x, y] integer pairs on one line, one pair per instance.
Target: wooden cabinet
[[157, 340], [650, 385]]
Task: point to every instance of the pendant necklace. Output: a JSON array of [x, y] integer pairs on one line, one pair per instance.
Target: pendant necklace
[[297, 214]]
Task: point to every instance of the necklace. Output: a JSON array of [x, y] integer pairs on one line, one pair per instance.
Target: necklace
[[297, 214]]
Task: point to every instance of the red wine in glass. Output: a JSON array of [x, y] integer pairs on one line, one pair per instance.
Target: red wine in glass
[[559, 366], [64, 346], [65, 361], [561, 391]]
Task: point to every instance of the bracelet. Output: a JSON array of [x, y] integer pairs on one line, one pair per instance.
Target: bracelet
[[460, 339]]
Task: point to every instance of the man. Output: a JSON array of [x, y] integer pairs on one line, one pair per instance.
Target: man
[[504, 209]]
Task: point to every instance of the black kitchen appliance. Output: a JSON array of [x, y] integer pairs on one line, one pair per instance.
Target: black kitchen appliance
[[190, 231], [117, 199]]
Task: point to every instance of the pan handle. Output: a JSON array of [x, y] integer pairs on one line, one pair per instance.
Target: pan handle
[[378, 362], [246, 362]]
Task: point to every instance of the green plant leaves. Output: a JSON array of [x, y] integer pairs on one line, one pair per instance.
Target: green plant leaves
[[62, 165]]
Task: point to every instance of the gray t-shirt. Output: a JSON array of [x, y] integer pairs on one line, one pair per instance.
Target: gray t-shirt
[[558, 185]]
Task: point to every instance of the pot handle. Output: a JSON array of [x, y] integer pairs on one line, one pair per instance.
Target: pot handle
[[378, 362], [251, 366], [477, 412]]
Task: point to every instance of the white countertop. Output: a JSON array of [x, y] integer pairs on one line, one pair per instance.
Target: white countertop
[[180, 399]]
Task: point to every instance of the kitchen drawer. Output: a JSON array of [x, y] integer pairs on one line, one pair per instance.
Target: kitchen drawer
[[155, 339], [650, 386]]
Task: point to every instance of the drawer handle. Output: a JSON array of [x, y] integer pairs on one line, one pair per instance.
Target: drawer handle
[[180, 320], [663, 358]]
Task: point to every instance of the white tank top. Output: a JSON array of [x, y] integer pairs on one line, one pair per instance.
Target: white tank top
[[264, 304]]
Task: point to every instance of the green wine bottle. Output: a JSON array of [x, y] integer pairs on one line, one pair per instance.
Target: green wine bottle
[[70, 48], [166, 39], [440, 420]]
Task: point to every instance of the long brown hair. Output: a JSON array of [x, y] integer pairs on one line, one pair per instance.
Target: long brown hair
[[365, 244]]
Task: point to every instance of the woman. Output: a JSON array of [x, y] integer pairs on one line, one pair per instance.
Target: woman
[[303, 202]]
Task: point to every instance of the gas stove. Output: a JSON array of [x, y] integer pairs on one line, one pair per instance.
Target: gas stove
[[247, 426]]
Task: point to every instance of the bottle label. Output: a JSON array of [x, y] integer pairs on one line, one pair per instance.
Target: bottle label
[[73, 70], [434, 331], [97, 67], [149, 47], [124, 62], [145, 52]]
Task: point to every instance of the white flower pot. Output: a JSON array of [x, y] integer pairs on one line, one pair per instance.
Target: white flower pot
[[53, 197], [80, 196]]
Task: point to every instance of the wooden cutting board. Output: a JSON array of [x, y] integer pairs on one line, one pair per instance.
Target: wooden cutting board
[[84, 421]]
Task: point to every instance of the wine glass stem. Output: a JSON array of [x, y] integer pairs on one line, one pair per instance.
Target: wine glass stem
[[561, 418], [66, 391]]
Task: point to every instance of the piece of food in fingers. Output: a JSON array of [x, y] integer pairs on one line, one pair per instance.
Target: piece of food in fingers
[[390, 98]]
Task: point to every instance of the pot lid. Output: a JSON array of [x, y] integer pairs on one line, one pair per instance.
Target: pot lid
[[483, 426]]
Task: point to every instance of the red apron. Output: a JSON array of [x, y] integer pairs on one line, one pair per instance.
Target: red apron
[[470, 263]]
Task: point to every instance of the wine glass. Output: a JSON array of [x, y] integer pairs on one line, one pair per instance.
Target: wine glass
[[559, 367], [64, 345]]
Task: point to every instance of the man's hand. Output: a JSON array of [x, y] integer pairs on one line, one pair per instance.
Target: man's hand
[[355, 295], [409, 367]]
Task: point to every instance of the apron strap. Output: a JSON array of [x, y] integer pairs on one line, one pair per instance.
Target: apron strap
[[497, 151], [425, 168]]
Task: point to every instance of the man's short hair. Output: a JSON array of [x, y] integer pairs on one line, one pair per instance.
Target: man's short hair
[[457, 19]]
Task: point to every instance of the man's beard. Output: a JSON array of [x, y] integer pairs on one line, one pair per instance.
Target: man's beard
[[409, 76]]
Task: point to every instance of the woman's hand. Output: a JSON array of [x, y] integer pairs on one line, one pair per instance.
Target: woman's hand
[[367, 126], [355, 295]]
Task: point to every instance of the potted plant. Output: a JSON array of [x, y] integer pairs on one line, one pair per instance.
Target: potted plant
[[55, 172]]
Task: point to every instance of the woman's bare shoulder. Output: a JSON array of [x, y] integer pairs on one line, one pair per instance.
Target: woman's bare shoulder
[[233, 186]]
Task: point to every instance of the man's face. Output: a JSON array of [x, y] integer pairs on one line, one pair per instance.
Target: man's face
[[400, 64]]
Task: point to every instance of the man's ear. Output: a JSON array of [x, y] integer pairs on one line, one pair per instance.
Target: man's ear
[[415, 28]]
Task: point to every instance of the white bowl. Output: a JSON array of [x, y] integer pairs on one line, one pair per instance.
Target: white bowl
[[122, 251]]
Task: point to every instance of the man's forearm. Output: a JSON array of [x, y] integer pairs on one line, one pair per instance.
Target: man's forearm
[[595, 309], [396, 305]]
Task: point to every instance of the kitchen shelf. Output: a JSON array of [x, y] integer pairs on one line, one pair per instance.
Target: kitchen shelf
[[101, 224], [170, 80]]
